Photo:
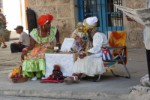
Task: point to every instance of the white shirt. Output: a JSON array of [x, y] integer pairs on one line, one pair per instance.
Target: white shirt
[[99, 40], [24, 38], [147, 32]]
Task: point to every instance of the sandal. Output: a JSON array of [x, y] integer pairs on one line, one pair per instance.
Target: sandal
[[4, 46], [71, 80]]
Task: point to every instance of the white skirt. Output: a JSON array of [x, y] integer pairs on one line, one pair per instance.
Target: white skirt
[[89, 65]]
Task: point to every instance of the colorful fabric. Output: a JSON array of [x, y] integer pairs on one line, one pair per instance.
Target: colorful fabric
[[16, 71], [55, 77], [80, 34], [51, 37], [34, 63], [76, 47], [80, 31], [43, 19], [93, 64], [38, 50], [118, 38], [106, 55]]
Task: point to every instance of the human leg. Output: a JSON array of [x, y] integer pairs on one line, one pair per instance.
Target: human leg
[[14, 47], [20, 47], [148, 61], [75, 78], [3, 41], [0, 40]]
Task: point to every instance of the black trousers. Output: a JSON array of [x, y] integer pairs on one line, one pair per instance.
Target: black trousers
[[148, 61], [16, 47]]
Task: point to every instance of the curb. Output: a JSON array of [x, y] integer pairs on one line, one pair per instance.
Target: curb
[[64, 94]]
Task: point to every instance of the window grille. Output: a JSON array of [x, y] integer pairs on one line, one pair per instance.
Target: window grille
[[110, 18]]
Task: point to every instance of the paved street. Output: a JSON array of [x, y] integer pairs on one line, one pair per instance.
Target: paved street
[[30, 98], [108, 87]]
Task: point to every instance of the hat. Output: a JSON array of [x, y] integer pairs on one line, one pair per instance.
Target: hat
[[18, 27], [90, 22], [43, 19]]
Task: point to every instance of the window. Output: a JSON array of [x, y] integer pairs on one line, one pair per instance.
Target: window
[[110, 18]]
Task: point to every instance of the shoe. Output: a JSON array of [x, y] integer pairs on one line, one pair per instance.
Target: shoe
[[71, 80], [4, 46], [43, 78], [34, 79]]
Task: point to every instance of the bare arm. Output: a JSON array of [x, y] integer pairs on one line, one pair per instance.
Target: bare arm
[[32, 44], [57, 37]]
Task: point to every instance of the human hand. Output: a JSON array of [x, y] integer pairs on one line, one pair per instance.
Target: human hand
[[76, 55], [82, 55], [24, 53]]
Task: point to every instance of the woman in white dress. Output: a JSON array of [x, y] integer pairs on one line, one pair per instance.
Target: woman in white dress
[[90, 63]]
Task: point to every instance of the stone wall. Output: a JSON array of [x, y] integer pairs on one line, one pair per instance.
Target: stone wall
[[1, 4], [134, 30], [62, 10], [64, 15]]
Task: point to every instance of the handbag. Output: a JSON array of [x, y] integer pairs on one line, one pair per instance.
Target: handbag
[[106, 54]]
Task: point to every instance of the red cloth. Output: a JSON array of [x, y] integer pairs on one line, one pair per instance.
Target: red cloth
[[55, 77], [44, 18], [51, 81]]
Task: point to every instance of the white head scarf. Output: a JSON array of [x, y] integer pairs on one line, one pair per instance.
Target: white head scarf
[[90, 22]]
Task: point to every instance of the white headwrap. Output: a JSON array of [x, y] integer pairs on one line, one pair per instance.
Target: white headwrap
[[90, 22]]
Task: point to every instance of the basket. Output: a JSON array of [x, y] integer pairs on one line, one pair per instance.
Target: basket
[[19, 80]]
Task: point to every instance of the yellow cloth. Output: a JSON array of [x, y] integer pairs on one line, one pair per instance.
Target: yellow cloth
[[118, 38]]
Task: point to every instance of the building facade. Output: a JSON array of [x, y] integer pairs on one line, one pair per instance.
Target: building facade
[[68, 12]]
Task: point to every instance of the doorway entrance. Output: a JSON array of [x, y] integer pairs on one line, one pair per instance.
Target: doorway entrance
[[14, 10]]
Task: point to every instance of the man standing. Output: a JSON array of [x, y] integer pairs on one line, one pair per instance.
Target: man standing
[[147, 42], [2, 28], [24, 41]]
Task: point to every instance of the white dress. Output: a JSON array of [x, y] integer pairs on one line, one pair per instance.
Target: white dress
[[92, 65]]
